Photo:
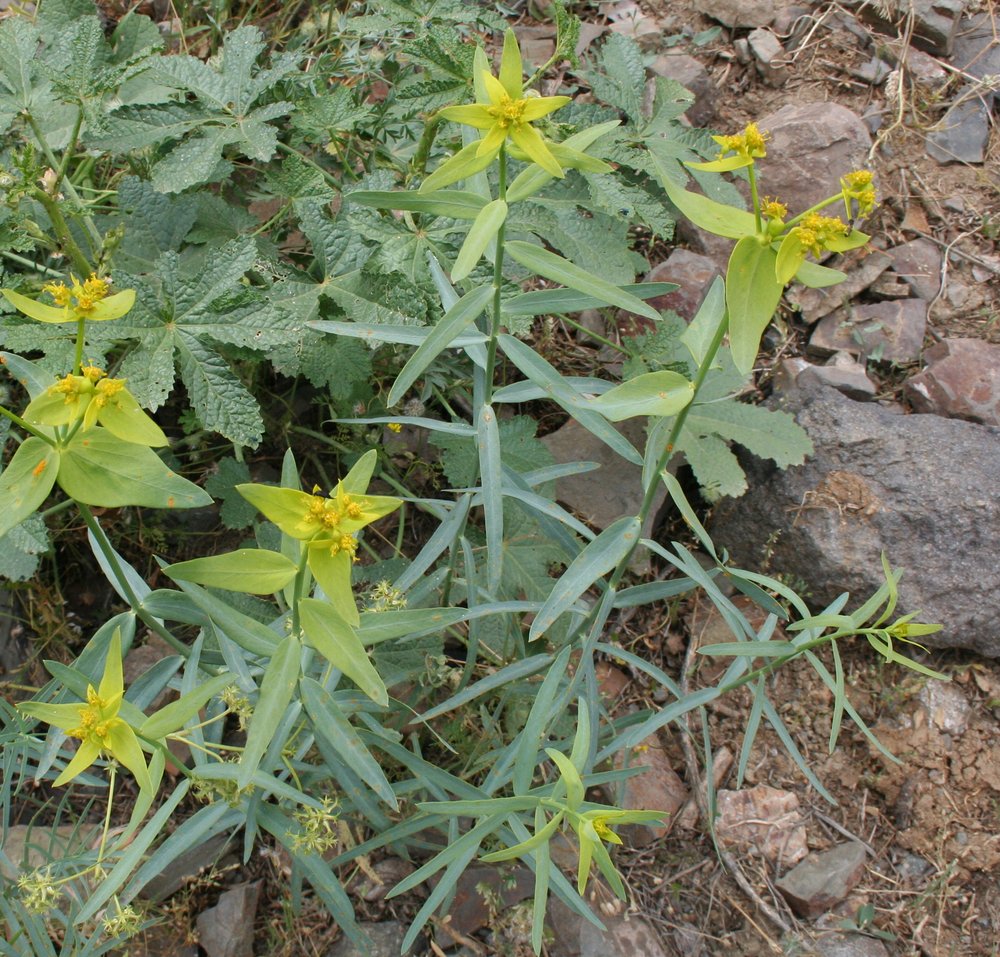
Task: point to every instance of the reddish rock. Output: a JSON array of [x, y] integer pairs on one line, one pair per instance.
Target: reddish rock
[[823, 880], [693, 274], [658, 788], [692, 75], [918, 263], [844, 374], [863, 267], [961, 381], [763, 818], [884, 331]]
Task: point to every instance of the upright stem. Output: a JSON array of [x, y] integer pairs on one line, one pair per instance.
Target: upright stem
[[491, 349], [755, 199], [80, 262], [300, 575], [123, 583], [81, 330]]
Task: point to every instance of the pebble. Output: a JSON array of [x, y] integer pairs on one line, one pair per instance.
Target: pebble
[[692, 75], [961, 381], [964, 132], [226, 930], [883, 331], [846, 375], [386, 941], [823, 880], [768, 52], [658, 788], [918, 263], [765, 819], [693, 274], [947, 707]]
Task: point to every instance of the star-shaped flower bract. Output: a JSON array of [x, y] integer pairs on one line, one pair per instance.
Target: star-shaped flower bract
[[96, 723]]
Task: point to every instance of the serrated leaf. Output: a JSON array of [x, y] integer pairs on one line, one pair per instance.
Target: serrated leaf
[[235, 511], [22, 547], [622, 79], [716, 468], [768, 433]]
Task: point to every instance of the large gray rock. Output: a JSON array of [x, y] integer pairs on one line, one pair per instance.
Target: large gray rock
[[935, 22], [811, 146], [920, 488]]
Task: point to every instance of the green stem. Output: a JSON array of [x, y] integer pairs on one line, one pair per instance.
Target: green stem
[[669, 449], [111, 557], [18, 421], [596, 336], [95, 234], [21, 261], [80, 262], [112, 774], [491, 349], [81, 329], [300, 576], [755, 199], [68, 152], [812, 209], [418, 165]]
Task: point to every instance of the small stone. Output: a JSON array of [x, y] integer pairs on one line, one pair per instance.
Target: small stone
[[737, 14], [226, 930], [385, 874], [889, 286], [862, 267], [935, 22], [692, 75], [763, 818], [786, 373], [918, 263], [626, 935], [693, 274], [964, 132], [850, 945], [873, 72], [921, 68], [961, 381], [187, 866], [792, 24], [537, 43], [947, 707], [883, 331], [823, 880], [768, 53], [976, 49], [909, 866], [742, 49], [480, 889], [658, 788], [844, 374], [386, 941], [954, 204]]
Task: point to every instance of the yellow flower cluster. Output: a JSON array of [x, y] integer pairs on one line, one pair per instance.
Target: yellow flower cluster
[[750, 144], [86, 295], [858, 189], [772, 209], [816, 232]]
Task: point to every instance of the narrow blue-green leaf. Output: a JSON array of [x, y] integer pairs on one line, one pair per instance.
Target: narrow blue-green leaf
[[839, 696], [127, 863], [512, 672], [444, 535], [487, 224], [551, 266], [173, 716], [454, 321], [491, 476], [275, 693], [753, 726], [247, 632], [379, 626], [331, 722], [529, 741], [528, 391], [687, 512], [543, 302], [453, 203], [752, 649], [771, 713], [169, 605], [597, 558], [403, 335], [481, 808], [434, 425], [539, 838], [544, 375], [652, 591], [543, 869]]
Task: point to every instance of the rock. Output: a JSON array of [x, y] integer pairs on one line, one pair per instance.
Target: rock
[[935, 22], [920, 488], [889, 286], [849, 945], [947, 707], [384, 875], [918, 263], [786, 373], [626, 936], [693, 274], [883, 331], [922, 69], [976, 50], [188, 865], [604, 494], [692, 75], [806, 158], [863, 268], [823, 880], [768, 54], [844, 374], [765, 819], [226, 930], [961, 381], [737, 14], [386, 941], [964, 132], [792, 24], [658, 788], [873, 71], [30, 846], [537, 43], [471, 908], [716, 248]]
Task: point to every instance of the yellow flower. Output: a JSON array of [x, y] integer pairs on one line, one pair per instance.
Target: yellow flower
[[96, 723], [772, 209], [858, 189], [820, 232], [327, 526], [749, 145], [90, 299], [503, 112]]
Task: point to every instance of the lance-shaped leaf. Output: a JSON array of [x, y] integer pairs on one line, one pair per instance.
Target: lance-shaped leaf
[[174, 716], [551, 266], [714, 217], [485, 228], [655, 393], [255, 571], [453, 203], [334, 638], [451, 325]]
